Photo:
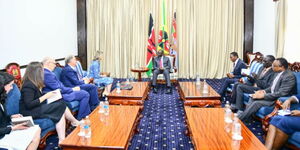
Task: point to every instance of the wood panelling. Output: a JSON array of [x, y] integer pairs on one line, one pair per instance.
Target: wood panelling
[[248, 26], [82, 32]]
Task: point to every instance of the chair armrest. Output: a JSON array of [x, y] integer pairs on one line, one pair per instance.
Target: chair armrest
[[278, 106]]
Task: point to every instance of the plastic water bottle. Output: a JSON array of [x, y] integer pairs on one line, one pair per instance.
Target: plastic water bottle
[[82, 131], [101, 108], [198, 80], [228, 113], [106, 107], [205, 87], [227, 105], [118, 87], [87, 127]]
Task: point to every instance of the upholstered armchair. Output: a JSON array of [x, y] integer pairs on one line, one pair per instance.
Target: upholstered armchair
[[173, 71], [15, 71]]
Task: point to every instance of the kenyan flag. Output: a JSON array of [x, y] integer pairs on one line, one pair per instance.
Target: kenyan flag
[[151, 48]]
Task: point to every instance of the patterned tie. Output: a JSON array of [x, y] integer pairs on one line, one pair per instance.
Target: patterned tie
[[161, 63]]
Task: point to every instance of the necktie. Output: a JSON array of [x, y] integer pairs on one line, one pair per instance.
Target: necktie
[[161, 62], [275, 82]]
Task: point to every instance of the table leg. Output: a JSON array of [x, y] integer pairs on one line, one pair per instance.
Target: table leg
[[139, 76]]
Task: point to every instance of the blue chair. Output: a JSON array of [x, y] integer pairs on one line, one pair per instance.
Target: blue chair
[[74, 105], [294, 141], [12, 101], [264, 111], [12, 106]]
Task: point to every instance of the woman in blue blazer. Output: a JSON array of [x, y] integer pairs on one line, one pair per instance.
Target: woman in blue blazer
[[281, 127]]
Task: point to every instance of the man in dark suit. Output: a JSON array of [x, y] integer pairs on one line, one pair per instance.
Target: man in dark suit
[[70, 78], [282, 85], [259, 81], [235, 75], [161, 65], [69, 94]]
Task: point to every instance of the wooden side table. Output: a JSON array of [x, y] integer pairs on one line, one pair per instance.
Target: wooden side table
[[140, 71]]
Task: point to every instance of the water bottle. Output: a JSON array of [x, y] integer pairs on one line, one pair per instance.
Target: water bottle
[[227, 105], [87, 127], [82, 131], [236, 132], [106, 107], [101, 108], [205, 87], [228, 113], [118, 87], [198, 80]]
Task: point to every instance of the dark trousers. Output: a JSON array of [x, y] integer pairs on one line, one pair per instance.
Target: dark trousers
[[165, 72], [238, 93], [93, 92], [227, 81], [252, 107]]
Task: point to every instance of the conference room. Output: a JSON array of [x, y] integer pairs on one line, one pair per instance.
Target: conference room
[[149, 74]]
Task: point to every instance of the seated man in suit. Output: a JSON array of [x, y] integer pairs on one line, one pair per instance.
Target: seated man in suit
[[69, 94], [234, 76], [161, 65], [282, 85], [260, 81], [70, 78], [281, 127]]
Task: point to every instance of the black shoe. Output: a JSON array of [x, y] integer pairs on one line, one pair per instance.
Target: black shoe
[[169, 91], [154, 90]]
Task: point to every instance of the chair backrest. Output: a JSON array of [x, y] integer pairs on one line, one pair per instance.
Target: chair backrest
[[172, 61], [15, 71], [13, 100], [57, 71], [254, 57], [297, 74]]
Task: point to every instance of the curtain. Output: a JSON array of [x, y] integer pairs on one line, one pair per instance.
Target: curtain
[[280, 27], [207, 30]]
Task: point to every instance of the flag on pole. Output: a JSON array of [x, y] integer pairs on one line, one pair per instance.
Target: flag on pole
[[151, 48], [163, 41], [174, 47], [173, 30]]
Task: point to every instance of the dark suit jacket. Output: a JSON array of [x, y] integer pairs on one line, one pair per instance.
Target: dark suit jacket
[[166, 62], [238, 68], [284, 87], [266, 80], [52, 83], [69, 77], [4, 122], [30, 104]]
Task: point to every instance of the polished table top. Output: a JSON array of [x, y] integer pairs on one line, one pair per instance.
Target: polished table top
[[192, 91], [113, 133], [207, 125], [138, 91]]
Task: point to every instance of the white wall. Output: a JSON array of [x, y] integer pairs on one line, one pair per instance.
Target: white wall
[[264, 27], [292, 45], [33, 29]]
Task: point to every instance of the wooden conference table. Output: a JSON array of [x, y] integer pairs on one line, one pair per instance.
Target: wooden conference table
[[136, 96], [113, 132], [192, 95], [206, 127]]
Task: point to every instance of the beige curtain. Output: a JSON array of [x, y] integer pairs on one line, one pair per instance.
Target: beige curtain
[[207, 30], [280, 27]]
